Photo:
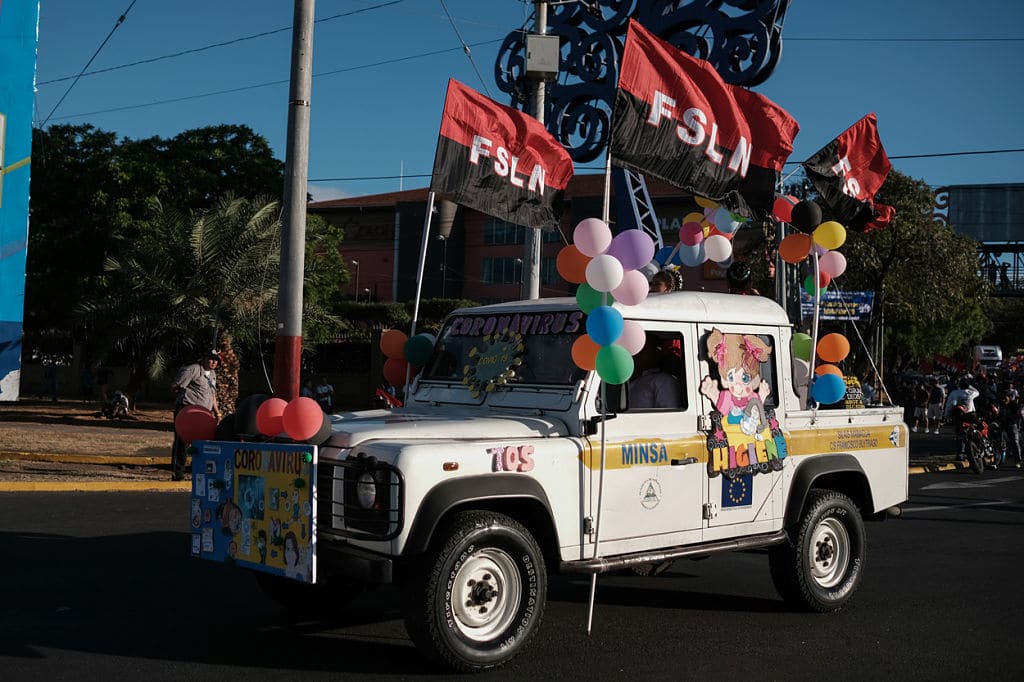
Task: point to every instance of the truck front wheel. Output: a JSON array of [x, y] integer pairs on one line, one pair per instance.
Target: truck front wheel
[[820, 567], [478, 595]]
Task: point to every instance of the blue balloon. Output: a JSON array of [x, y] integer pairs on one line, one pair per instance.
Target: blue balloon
[[828, 389], [664, 253], [604, 325], [691, 256]]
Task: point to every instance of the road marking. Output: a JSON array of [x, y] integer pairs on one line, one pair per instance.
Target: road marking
[[948, 507], [961, 485]]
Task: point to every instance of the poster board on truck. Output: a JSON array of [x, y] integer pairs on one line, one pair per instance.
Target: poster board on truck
[[253, 505]]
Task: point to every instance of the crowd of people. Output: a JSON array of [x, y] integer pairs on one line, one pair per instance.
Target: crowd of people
[[935, 401]]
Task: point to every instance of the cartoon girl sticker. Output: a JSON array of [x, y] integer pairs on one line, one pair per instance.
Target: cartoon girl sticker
[[739, 358]]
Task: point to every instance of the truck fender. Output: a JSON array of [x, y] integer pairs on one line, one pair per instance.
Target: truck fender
[[813, 470], [491, 489]]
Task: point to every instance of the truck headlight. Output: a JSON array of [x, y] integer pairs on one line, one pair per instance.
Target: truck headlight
[[366, 490]]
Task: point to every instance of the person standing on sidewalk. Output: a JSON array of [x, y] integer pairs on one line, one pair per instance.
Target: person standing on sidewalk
[[195, 384], [1009, 419], [936, 399], [920, 405]]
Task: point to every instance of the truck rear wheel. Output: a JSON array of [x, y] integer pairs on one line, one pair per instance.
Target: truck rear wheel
[[478, 596], [820, 568]]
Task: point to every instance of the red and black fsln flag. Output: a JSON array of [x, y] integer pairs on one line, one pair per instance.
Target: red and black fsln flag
[[676, 119], [848, 171], [499, 161]]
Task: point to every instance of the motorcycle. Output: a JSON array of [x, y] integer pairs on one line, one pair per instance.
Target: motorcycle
[[981, 438]]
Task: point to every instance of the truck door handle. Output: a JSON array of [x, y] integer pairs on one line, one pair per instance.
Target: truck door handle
[[683, 462]]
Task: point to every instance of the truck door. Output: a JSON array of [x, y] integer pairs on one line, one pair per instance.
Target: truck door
[[745, 447], [653, 483]]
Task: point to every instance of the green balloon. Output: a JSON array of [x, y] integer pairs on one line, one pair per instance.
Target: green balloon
[[588, 298], [809, 286], [418, 350], [614, 364], [802, 346]]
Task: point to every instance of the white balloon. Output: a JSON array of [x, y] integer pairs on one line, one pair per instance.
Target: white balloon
[[718, 248], [604, 272]]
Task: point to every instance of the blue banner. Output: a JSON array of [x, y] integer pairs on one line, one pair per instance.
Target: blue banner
[[18, 36], [854, 306]]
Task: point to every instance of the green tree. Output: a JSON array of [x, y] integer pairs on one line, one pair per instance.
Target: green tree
[[924, 275], [188, 279], [90, 197]]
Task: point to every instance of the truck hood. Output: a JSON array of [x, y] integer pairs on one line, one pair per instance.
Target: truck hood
[[348, 430]]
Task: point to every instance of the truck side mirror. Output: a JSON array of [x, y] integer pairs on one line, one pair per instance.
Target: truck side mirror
[[590, 426]]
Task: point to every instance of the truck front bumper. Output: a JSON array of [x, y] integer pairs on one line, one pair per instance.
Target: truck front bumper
[[355, 563]]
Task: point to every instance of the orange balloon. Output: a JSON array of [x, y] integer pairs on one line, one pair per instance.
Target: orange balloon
[[302, 418], [833, 348], [795, 247], [572, 264], [392, 342], [828, 369], [584, 352]]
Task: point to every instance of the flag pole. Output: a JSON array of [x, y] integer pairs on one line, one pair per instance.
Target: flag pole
[[419, 281], [605, 214]]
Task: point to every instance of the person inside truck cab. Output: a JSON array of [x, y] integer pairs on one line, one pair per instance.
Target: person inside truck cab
[[651, 387]]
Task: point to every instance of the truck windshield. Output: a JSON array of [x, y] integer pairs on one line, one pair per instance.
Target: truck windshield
[[485, 352]]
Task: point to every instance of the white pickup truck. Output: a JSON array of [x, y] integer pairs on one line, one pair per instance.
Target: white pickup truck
[[510, 463]]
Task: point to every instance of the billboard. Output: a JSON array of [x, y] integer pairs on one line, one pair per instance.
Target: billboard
[[18, 38], [853, 306], [988, 213]]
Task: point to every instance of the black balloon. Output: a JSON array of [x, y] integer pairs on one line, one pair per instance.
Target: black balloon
[[245, 415], [806, 216], [322, 434]]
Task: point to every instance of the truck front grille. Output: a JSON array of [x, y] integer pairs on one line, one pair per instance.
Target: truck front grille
[[338, 509]]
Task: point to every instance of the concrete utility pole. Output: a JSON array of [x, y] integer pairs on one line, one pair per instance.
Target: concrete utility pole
[[531, 256], [288, 342]]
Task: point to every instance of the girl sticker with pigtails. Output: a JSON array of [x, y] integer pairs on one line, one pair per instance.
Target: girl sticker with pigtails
[[745, 436]]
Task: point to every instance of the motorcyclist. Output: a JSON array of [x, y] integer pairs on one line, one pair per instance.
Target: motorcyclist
[[961, 399]]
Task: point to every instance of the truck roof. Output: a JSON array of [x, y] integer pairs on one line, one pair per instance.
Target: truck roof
[[676, 306]]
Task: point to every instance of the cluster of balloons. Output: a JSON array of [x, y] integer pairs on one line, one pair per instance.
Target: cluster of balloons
[[704, 236], [401, 351], [823, 237], [829, 385], [300, 419], [605, 266]]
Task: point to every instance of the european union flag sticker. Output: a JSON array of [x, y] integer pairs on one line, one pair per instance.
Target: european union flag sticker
[[738, 492]]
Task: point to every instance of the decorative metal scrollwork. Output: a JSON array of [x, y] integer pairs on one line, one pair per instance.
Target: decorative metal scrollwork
[[940, 212], [741, 38]]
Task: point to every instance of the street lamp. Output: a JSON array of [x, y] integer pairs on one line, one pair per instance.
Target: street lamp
[[356, 263]]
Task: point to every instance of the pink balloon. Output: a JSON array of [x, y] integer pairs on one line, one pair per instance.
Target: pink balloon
[[633, 247], [633, 337], [269, 416], [633, 289], [302, 418], [833, 262], [592, 237], [691, 234]]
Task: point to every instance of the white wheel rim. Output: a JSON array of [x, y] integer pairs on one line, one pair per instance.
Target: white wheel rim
[[485, 594], [829, 552]]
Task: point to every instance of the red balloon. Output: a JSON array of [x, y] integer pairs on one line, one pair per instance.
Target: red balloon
[[194, 422], [782, 209], [269, 416], [302, 418], [394, 371]]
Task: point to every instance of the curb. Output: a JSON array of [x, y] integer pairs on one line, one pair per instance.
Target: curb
[[93, 486]]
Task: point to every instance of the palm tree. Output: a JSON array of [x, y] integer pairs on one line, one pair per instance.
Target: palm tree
[[188, 280]]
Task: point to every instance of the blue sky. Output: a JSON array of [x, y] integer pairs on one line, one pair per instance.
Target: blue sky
[[942, 75]]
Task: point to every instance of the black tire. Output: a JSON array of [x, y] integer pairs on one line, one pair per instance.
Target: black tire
[[477, 597], [304, 599], [820, 567], [976, 456]]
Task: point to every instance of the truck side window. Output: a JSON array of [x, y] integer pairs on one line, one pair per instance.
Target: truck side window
[[658, 381]]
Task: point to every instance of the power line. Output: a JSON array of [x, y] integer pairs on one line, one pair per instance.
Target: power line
[[120, 20], [256, 86], [173, 55], [465, 48], [905, 40], [601, 168]]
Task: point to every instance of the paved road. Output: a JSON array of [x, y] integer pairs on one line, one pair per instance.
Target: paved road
[[100, 585]]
